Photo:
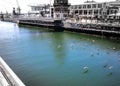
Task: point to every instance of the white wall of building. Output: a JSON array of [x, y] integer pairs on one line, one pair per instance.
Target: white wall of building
[[92, 8]]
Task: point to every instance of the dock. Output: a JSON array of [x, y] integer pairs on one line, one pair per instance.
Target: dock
[[54, 24], [105, 29], [7, 76], [99, 28]]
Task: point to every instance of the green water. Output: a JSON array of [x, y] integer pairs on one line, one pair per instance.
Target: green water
[[44, 58]]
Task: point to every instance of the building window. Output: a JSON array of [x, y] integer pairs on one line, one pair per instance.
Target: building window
[[95, 11], [66, 10], [76, 11], [94, 6], [99, 5], [76, 7], [65, 15], [80, 12], [57, 15], [85, 12], [80, 6], [57, 9], [72, 7], [88, 6], [84, 6], [90, 12], [33, 9]]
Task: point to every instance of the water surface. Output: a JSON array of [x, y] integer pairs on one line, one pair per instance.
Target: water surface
[[44, 58]]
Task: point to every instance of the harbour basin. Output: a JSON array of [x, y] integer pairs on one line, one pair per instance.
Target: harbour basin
[[45, 58]]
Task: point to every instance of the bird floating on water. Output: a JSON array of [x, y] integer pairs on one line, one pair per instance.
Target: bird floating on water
[[85, 69], [105, 66], [110, 74], [98, 53], [110, 67], [98, 49], [72, 45], [114, 48], [108, 53], [59, 46], [93, 41], [92, 54]]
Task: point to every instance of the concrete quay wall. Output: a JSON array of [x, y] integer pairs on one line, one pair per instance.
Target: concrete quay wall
[[94, 28], [104, 29]]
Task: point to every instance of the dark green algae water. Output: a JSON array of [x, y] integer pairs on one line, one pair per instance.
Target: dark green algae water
[[45, 58]]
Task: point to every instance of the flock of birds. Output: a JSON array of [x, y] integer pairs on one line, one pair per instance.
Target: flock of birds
[[86, 68]]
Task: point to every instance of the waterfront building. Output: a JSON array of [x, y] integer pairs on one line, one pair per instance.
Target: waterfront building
[[95, 9], [61, 8], [1, 16], [41, 9]]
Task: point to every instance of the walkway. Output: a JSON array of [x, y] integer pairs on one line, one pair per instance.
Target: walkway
[[7, 76]]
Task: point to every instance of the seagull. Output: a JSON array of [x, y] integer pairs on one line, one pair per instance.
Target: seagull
[[98, 49], [110, 67], [110, 74], [72, 45], [92, 54], [85, 67], [114, 48], [93, 41], [59, 46], [107, 52], [98, 53], [105, 66]]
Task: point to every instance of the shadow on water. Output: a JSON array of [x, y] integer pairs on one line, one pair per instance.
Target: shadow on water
[[58, 46], [37, 28], [81, 36]]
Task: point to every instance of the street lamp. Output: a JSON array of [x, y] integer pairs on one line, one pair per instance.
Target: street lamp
[[61, 9], [50, 8]]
